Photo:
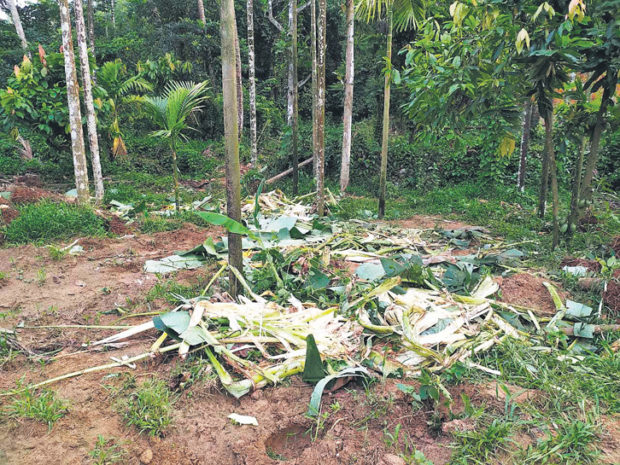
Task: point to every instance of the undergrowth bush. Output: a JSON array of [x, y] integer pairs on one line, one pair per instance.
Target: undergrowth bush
[[46, 221]]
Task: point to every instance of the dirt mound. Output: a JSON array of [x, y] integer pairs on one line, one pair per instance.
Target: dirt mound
[[611, 297], [615, 245], [30, 180], [528, 291], [116, 226], [7, 214], [24, 194], [590, 265]]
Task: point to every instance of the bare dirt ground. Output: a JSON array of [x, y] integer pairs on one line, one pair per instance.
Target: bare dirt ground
[[80, 289]]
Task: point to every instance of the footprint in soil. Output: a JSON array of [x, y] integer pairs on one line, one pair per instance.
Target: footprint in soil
[[288, 443]]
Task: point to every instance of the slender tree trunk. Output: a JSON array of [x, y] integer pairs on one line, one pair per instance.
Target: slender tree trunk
[[175, 176], [90, 18], [386, 119], [320, 104], [201, 13], [73, 98], [293, 92], [239, 84], [91, 119], [315, 157], [554, 178], [525, 142], [347, 117], [231, 130], [252, 84], [573, 216], [113, 13], [595, 141], [544, 177], [18, 24]]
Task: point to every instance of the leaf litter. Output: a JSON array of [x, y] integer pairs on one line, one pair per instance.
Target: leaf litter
[[344, 299]]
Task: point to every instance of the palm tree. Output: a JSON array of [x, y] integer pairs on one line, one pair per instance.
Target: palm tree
[[118, 87], [231, 132], [12, 6], [171, 112], [91, 118], [73, 100], [400, 15]]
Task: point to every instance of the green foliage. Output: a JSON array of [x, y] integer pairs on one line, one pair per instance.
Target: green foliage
[[44, 406], [149, 408], [47, 221], [107, 452]]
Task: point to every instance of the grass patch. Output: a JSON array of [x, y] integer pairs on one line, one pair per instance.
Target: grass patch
[[149, 408], [47, 221], [107, 452], [44, 406]]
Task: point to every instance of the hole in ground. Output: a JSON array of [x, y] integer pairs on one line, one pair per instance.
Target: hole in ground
[[288, 443]]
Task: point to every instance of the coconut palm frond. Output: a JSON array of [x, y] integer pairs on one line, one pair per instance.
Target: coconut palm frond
[[406, 13]]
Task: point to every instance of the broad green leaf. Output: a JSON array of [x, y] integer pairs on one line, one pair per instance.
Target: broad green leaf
[[175, 321], [317, 394], [314, 370], [317, 279], [228, 223], [584, 330], [370, 271], [577, 310]]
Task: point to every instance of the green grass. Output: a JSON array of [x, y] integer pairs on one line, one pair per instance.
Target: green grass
[[43, 406], [481, 445], [47, 221], [107, 452], [149, 408]]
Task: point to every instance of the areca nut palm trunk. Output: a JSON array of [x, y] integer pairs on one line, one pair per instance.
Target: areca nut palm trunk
[[252, 84], [90, 15], [315, 157], [231, 132], [320, 104], [73, 99], [293, 91], [525, 142], [201, 13], [239, 84], [347, 117], [91, 119], [386, 115], [18, 24]]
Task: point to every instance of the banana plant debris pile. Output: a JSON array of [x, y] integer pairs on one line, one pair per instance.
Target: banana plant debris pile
[[352, 298]]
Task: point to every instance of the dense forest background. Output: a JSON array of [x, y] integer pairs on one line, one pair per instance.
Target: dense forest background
[[436, 138]]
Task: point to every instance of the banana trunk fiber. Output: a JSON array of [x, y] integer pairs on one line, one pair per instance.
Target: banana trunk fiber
[[73, 99], [293, 93], [91, 119], [347, 117], [252, 84], [386, 119], [231, 132], [320, 102], [525, 142]]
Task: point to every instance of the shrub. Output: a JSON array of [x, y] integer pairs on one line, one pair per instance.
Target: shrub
[[46, 221]]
